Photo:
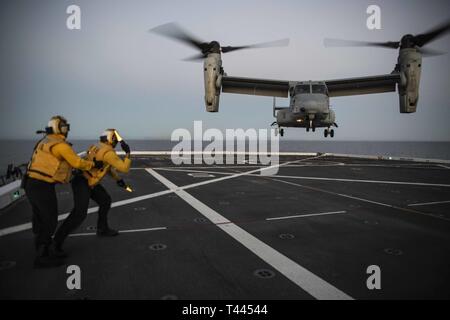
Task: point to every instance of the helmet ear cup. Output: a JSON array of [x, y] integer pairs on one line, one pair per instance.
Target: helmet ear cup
[[64, 127], [108, 136], [58, 125], [53, 126]]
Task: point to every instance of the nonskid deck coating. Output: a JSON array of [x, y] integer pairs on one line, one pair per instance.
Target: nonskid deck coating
[[309, 232]]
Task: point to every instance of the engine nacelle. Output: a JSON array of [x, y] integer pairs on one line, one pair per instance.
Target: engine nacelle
[[212, 70], [410, 66]]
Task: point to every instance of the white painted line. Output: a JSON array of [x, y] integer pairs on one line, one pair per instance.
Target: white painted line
[[426, 166], [424, 160], [318, 178], [363, 200], [197, 171], [421, 166], [143, 230], [82, 234], [315, 286], [27, 226], [194, 185], [120, 231], [200, 175], [207, 154], [427, 203], [206, 167], [355, 156], [365, 181], [305, 215]]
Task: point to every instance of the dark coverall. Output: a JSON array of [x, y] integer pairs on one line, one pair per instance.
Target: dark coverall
[[42, 196], [81, 195]]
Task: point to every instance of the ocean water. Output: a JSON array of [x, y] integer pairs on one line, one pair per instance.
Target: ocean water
[[19, 151]]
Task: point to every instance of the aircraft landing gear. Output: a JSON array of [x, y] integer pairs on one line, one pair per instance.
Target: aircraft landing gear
[[311, 126], [327, 132], [279, 131]]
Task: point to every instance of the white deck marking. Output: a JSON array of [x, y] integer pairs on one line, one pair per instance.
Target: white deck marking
[[317, 178], [305, 215], [120, 231], [431, 166], [28, 226], [365, 181], [427, 203], [364, 200], [315, 286], [191, 170]]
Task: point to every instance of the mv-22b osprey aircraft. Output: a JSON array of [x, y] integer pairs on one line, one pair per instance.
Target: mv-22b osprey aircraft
[[309, 105]]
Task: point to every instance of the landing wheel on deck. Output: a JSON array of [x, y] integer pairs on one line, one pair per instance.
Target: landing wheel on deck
[[307, 129], [281, 132], [331, 133], [325, 133], [314, 129]]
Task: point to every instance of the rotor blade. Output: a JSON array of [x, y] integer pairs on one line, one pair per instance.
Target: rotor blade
[[174, 31], [197, 58], [424, 38], [430, 52], [276, 43], [351, 43]]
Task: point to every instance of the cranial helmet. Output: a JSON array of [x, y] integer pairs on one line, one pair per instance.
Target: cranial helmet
[[109, 136], [58, 125]]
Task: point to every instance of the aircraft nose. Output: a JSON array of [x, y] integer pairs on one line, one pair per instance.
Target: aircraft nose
[[313, 105], [306, 106]]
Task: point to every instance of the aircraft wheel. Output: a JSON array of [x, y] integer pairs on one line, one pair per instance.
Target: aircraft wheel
[[332, 133], [325, 133], [307, 129], [314, 129], [281, 132]]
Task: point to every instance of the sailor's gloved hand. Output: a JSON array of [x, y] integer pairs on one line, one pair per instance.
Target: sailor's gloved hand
[[121, 183], [125, 147], [98, 164]]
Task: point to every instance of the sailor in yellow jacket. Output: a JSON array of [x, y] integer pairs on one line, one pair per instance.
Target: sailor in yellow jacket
[[86, 185], [51, 163]]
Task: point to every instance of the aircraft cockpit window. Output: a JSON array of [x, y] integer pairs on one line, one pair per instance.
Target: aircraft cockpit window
[[319, 88], [304, 88]]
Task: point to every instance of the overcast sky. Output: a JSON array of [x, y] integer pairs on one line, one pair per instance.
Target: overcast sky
[[113, 73]]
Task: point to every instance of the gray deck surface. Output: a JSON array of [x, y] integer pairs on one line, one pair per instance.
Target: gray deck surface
[[376, 213]]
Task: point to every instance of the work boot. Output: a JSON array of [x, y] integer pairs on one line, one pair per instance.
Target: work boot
[[58, 251], [46, 259], [107, 232]]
